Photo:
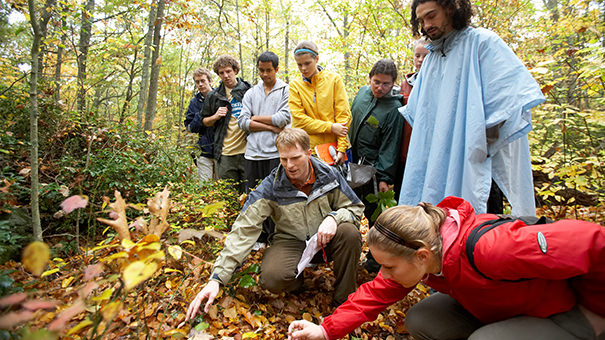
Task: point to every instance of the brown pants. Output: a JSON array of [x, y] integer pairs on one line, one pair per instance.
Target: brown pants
[[440, 317], [278, 269]]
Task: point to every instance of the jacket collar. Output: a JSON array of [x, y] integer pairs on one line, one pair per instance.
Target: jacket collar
[[325, 180], [222, 94], [308, 80], [444, 44]]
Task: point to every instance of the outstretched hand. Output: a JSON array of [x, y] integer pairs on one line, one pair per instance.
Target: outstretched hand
[[305, 330], [209, 292]]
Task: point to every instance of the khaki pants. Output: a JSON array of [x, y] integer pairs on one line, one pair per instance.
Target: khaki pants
[[206, 169], [440, 317], [278, 269]]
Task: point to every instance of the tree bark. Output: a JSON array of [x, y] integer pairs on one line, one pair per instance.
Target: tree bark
[[83, 46], [155, 68], [33, 121], [239, 41], [146, 65]]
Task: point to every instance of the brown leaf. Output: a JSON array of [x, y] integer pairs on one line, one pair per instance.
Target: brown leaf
[[159, 206], [187, 234], [120, 225], [12, 299]]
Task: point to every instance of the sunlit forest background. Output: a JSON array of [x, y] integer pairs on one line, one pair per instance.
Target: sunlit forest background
[[92, 101]]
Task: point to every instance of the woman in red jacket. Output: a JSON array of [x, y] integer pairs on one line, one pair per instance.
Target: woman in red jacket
[[496, 278]]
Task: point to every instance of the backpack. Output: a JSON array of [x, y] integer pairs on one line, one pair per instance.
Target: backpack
[[480, 230]]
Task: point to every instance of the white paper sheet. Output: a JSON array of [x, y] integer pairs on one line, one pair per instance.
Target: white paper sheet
[[307, 255]]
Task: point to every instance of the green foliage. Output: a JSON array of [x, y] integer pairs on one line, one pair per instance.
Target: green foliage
[[384, 200], [244, 278]]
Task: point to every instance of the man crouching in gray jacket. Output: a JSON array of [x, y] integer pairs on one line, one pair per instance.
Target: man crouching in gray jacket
[[303, 196]]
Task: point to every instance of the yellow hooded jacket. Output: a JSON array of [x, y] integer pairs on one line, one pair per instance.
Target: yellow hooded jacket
[[318, 104]]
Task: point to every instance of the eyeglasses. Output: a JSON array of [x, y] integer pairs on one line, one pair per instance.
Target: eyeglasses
[[386, 85]]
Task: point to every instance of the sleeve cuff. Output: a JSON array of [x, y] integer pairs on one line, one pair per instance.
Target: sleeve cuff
[[323, 330]]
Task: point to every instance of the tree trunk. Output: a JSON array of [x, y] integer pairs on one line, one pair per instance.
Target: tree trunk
[[33, 126], [146, 65], [83, 46], [287, 48], [155, 68], [129, 95], [239, 41], [59, 64]]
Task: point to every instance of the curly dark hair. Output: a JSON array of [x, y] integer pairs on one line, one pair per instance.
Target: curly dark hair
[[461, 9]]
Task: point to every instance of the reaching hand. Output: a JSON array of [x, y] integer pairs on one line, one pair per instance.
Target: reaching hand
[[305, 330], [209, 292], [326, 231], [340, 129]]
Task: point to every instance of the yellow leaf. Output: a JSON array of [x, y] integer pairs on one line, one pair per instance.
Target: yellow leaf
[[188, 242], [85, 323], [176, 252], [307, 317], [155, 256], [111, 257], [249, 335], [176, 333], [35, 257], [106, 295], [103, 247], [137, 272], [49, 272], [66, 282], [110, 310], [127, 244], [150, 246], [171, 270], [150, 239]]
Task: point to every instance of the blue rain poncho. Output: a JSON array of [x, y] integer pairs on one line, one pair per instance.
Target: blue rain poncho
[[470, 113]]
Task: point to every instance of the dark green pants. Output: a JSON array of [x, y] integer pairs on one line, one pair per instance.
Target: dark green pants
[[278, 269]]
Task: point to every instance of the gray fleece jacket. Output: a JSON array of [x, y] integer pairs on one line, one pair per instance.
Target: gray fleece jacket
[[261, 144]]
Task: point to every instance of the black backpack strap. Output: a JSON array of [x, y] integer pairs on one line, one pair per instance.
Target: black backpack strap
[[480, 230], [474, 236]]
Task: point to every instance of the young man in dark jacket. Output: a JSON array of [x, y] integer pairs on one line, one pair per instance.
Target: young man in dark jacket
[[221, 110], [193, 122]]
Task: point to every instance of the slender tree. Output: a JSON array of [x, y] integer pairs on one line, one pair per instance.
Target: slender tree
[[33, 119], [83, 47], [146, 65], [155, 68]]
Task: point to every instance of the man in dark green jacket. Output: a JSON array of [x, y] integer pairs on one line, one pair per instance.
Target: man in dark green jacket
[[375, 132]]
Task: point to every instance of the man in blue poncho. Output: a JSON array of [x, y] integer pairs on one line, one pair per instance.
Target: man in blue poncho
[[470, 113]]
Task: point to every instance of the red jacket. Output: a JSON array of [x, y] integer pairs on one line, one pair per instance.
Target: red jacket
[[571, 271]]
